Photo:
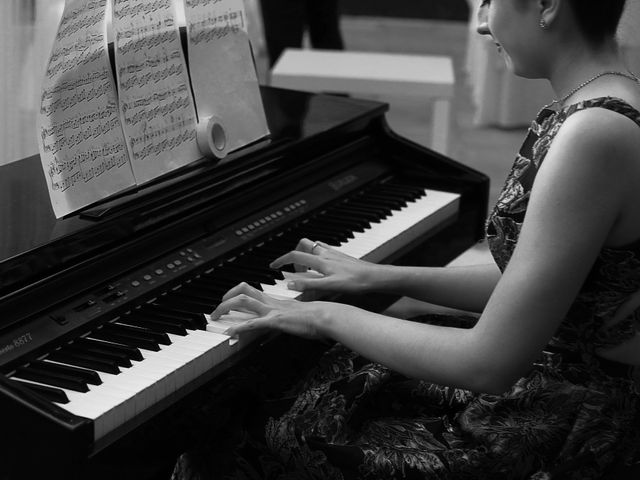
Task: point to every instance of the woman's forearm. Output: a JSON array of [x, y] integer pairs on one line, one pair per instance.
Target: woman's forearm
[[443, 355], [460, 287]]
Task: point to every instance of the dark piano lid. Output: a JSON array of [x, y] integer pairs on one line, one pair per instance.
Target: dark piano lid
[[33, 244]]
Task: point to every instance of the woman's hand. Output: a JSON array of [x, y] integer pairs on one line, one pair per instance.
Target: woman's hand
[[291, 316], [339, 272]]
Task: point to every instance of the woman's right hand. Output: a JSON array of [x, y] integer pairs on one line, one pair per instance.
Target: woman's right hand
[[338, 272]]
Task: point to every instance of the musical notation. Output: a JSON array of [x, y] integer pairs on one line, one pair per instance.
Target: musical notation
[[65, 174], [157, 107], [79, 110], [133, 9], [218, 27]]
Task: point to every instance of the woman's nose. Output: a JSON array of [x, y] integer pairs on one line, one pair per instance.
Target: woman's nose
[[482, 23], [483, 29]]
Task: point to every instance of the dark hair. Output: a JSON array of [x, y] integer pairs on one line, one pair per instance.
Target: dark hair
[[598, 19]]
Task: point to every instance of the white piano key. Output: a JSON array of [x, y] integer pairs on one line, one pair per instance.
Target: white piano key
[[403, 226], [280, 290]]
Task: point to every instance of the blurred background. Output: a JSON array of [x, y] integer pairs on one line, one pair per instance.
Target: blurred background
[[491, 108]]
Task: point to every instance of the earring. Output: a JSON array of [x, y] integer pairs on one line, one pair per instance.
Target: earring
[[543, 24]]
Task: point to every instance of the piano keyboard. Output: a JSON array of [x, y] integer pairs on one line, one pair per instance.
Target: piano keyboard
[[130, 363]]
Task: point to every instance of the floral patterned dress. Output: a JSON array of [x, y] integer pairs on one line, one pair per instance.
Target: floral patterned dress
[[571, 417]]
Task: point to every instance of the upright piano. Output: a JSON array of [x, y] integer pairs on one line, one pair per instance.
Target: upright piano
[[102, 324]]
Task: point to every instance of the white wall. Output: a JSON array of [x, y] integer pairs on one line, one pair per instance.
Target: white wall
[[25, 44], [629, 35]]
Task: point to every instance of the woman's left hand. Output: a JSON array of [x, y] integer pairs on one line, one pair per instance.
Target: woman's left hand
[[291, 316]]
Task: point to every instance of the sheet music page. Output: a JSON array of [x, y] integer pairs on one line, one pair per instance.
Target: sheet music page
[[223, 75], [157, 107], [80, 136]]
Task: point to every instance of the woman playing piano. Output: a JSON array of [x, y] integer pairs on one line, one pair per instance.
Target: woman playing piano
[[540, 383]]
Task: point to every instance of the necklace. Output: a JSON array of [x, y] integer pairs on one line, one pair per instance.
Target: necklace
[[560, 101]]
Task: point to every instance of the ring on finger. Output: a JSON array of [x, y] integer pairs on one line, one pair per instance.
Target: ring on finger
[[315, 244]]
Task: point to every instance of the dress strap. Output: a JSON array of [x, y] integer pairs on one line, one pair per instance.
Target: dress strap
[[614, 104]]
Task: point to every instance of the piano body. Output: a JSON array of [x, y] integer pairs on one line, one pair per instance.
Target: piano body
[[101, 313]]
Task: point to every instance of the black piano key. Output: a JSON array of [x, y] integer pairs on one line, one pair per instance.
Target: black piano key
[[50, 393], [214, 281], [120, 360], [213, 294], [254, 261], [140, 332], [89, 376], [414, 189], [194, 321], [351, 222], [378, 208], [324, 225], [247, 274], [154, 324], [388, 200], [367, 214], [319, 235], [54, 379], [84, 360], [249, 259], [123, 354], [184, 323], [409, 194], [182, 303], [270, 253], [124, 339], [203, 300]]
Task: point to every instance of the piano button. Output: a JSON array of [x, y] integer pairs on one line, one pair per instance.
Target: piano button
[[84, 361], [51, 379], [50, 393], [117, 349]]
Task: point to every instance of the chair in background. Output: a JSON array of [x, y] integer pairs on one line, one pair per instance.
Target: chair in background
[[425, 77]]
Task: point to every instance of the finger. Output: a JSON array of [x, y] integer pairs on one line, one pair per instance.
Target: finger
[[325, 246], [302, 285], [298, 280], [305, 245], [250, 325], [298, 258], [242, 303], [243, 288]]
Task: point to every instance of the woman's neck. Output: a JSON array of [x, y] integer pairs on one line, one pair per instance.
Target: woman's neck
[[581, 64]]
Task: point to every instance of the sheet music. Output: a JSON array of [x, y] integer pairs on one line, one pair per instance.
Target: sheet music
[[81, 141], [223, 75], [157, 107]]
